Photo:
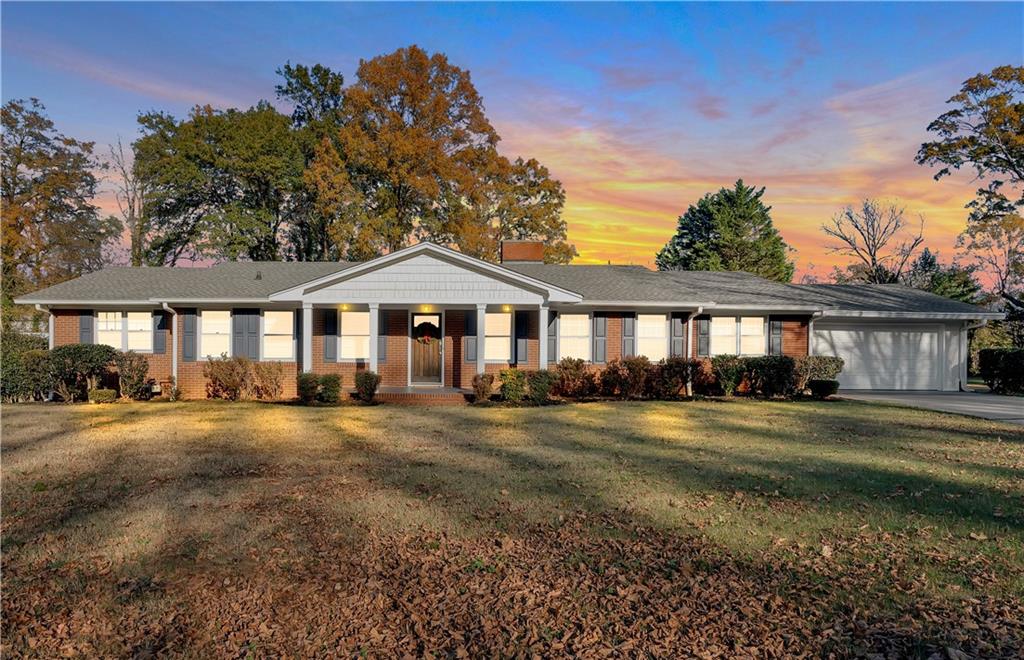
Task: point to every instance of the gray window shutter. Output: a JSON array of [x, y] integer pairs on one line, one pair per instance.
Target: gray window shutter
[[678, 335], [703, 337], [159, 333], [330, 319], [188, 336], [469, 336], [86, 322], [628, 335], [775, 337], [297, 334], [600, 338], [382, 336], [552, 338], [245, 325], [522, 330]]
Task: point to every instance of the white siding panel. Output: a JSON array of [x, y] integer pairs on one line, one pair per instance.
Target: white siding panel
[[424, 279], [886, 356]]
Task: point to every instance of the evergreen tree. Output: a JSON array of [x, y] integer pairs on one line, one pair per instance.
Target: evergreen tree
[[728, 230], [953, 281]]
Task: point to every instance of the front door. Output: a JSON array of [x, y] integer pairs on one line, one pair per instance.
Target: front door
[[426, 349]]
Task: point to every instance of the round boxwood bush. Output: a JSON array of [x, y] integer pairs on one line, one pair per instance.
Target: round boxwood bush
[[308, 387], [540, 385], [330, 388], [822, 389], [513, 385], [367, 383], [100, 395]]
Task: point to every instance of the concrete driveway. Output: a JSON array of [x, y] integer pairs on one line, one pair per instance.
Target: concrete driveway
[[976, 404]]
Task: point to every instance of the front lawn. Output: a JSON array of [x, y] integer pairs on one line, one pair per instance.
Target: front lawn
[[712, 527]]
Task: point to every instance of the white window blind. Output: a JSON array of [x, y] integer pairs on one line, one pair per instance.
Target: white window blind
[[574, 336], [278, 330], [652, 336], [354, 336], [215, 337], [752, 335], [498, 336]]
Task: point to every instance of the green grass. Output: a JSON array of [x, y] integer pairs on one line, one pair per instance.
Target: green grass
[[873, 508]]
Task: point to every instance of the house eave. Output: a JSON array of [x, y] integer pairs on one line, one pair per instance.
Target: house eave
[[938, 316]]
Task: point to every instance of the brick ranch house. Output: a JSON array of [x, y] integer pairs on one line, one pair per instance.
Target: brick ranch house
[[430, 317]]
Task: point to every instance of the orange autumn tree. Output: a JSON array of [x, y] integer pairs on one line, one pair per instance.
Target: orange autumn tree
[[415, 158]]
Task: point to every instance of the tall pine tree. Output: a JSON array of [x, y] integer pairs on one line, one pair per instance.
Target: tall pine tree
[[728, 230]]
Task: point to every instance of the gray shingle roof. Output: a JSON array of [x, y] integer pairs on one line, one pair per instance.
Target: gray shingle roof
[[232, 280], [257, 280], [882, 298]]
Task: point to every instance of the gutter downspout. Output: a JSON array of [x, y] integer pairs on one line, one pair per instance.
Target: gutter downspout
[[965, 347], [810, 332], [174, 341], [49, 329], [689, 349]]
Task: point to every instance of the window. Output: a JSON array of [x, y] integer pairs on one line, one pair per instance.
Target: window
[[574, 336], [108, 329], [278, 335], [723, 335], [215, 340], [752, 335], [139, 328], [652, 336], [354, 336], [498, 337]]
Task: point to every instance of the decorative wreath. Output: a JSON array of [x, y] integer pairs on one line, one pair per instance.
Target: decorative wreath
[[426, 340], [425, 337]]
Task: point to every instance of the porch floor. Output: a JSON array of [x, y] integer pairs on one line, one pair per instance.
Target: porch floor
[[422, 389]]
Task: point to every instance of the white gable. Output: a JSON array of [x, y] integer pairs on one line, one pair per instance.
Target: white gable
[[423, 279]]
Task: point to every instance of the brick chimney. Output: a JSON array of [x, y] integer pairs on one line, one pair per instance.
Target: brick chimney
[[520, 251]]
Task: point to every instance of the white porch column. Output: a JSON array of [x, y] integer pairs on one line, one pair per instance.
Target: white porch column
[[481, 321], [307, 336], [49, 332], [542, 337], [374, 331]]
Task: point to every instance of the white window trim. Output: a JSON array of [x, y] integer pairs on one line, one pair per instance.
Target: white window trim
[[668, 333], [511, 339], [292, 356], [200, 355], [337, 339], [124, 329], [590, 334], [765, 333]]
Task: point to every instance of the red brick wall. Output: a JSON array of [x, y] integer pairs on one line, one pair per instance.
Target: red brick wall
[[394, 371], [65, 331]]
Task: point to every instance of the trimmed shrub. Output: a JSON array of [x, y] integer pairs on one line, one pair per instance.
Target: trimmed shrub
[[771, 375], [367, 383], [1002, 369], [540, 385], [20, 377], [816, 367], [513, 385], [308, 386], [668, 378], [613, 379], [637, 369], [575, 380], [330, 388], [483, 385], [173, 391], [76, 368], [728, 370], [823, 389], [100, 395], [268, 380], [229, 378], [37, 381], [133, 375]]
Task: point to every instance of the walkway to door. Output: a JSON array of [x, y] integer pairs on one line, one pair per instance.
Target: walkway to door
[[976, 404]]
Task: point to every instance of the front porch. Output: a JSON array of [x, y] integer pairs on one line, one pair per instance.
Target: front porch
[[425, 396]]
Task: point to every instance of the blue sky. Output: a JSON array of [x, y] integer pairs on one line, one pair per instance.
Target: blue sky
[[639, 109]]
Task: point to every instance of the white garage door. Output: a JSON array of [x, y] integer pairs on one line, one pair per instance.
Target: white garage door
[[882, 356]]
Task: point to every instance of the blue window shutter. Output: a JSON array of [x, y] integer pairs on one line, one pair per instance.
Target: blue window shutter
[[245, 333], [703, 337], [382, 336], [678, 335], [159, 333], [628, 335], [522, 331], [330, 320], [552, 338], [600, 338], [86, 322], [469, 337], [188, 336], [775, 337]]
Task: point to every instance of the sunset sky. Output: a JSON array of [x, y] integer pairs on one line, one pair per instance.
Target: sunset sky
[[638, 109]]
